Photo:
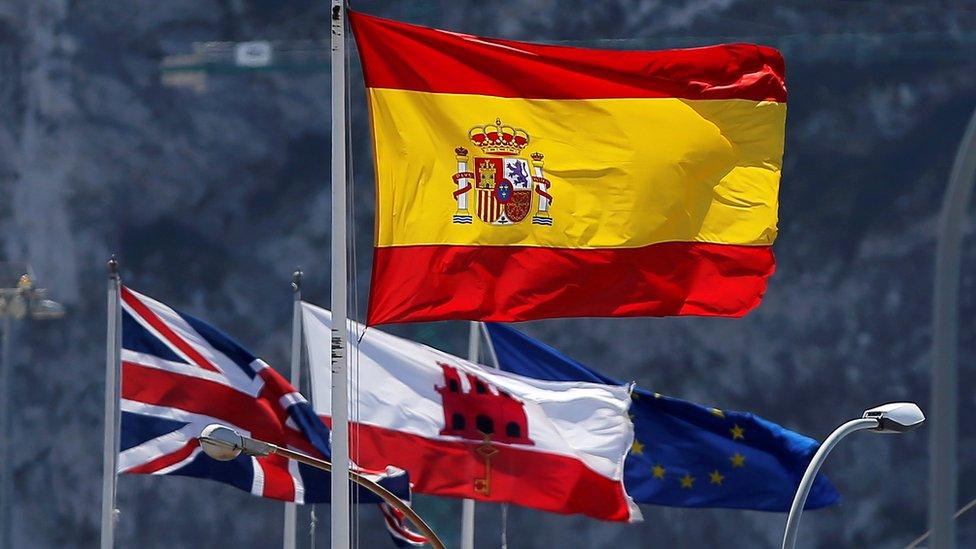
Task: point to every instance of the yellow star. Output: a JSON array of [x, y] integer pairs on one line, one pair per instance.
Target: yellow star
[[738, 460], [637, 448], [687, 481], [737, 432], [716, 477], [718, 413], [657, 395], [658, 471]]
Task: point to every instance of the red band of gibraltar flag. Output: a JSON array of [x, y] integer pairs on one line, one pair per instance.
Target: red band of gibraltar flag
[[519, 181]]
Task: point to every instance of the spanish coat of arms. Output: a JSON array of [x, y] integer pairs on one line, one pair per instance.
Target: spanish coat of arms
[[499, 187]]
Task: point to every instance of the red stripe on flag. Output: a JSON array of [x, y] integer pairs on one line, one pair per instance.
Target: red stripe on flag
[[409, 57], [550, 482], [274, 388], [278, 482], [516, 283], [162, 462], [262, 418], [394, 521], [157, 323]]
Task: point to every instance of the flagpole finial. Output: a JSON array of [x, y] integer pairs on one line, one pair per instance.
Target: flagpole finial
[[113, 267], [296, 279]]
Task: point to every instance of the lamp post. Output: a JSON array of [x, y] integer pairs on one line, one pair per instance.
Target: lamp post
[[19, 300], [943, 442], [897, 417], [224, 444]]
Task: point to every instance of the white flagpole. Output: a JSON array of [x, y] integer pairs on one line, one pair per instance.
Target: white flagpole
[[340, 380], [291, 510], [494, 363], [467, 506], [490, 346], [110, 449]]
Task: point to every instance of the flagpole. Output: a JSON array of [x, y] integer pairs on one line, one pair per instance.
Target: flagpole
[[494, 363], [110, 448], [291, 510], [5, 468], [340, 380], [490, 346], [467, 506]]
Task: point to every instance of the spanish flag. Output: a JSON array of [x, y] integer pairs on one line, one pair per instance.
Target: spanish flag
[[520, 181]]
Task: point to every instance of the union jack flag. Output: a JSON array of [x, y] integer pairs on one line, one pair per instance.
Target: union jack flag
[[180, 374]]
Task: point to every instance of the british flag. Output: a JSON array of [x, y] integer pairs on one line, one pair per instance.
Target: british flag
[[180, 374]]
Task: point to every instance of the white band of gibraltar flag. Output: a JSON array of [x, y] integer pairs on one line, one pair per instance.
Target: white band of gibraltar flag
[[463, 430]]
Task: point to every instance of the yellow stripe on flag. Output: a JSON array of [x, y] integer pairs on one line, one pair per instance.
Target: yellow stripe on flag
[[625, 173]]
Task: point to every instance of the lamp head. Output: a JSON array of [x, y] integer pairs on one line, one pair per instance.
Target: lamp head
[[220, 442], [896, 417], [25, 282]]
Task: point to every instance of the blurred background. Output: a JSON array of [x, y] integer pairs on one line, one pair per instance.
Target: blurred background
[[206, 169]]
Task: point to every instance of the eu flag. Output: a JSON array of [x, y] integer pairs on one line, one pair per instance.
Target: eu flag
[[685, 454]]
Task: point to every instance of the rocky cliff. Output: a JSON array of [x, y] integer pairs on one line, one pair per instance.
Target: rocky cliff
[[212, 196]]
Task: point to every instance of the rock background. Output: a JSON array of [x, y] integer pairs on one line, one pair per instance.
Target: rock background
[[211, 199]]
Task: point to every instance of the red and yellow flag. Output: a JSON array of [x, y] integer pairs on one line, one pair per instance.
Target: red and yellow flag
[[519, 181]]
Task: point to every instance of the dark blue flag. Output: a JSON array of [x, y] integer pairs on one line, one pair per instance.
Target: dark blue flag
[[684, 454]]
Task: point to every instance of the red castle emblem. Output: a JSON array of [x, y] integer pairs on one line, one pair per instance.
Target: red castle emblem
[[482, 412], [503, 187]]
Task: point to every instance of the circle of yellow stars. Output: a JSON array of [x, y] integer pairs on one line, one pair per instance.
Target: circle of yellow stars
[[736, 460]]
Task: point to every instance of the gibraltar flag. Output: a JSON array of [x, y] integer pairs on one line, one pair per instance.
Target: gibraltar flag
[[464, 430]]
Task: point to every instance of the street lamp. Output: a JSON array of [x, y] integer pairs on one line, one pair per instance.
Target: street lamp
[[897, 417], [25, 298], [224, 444], [19, 298]]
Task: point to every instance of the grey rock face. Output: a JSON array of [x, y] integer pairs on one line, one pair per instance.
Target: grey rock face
[[211, 199]]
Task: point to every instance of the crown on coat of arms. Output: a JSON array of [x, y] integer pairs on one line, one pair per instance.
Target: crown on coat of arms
[[499, 139]]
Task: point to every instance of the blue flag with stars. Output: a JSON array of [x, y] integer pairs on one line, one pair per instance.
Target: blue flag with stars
[[685, 454]]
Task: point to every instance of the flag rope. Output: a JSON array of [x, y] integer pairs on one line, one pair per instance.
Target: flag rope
[[352, 277], [925, 536]]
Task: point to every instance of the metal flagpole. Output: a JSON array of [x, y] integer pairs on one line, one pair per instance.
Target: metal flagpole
[[5, 483], [291, 510], [340, 380], [467, 506], [494, 363], [110, 449], [490, 346]]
